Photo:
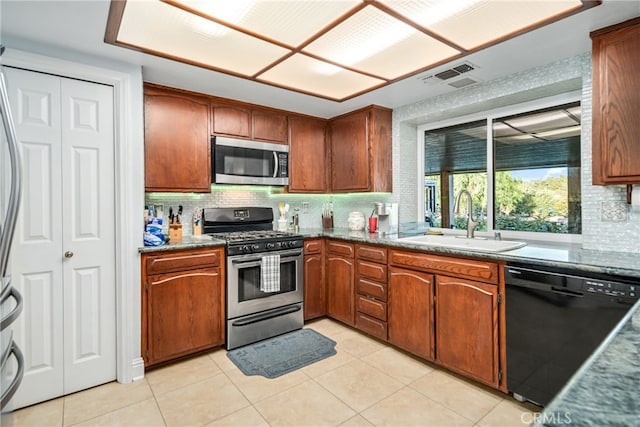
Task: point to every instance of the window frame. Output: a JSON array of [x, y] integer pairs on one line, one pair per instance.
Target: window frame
[[489, 116]]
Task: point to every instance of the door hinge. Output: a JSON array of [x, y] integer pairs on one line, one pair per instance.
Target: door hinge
[[499, 298], [146, 286], [146, 353], [499, 375]]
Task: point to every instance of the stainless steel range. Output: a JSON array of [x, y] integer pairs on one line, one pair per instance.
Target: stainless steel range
[[264, 274]]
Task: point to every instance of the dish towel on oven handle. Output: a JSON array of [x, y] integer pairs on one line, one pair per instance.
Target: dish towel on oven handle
[[270, 273]]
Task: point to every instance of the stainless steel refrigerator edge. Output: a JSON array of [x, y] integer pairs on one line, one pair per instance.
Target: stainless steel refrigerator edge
[[11, 359]]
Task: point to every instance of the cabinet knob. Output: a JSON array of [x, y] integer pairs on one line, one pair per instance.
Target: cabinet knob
[[68, 254]]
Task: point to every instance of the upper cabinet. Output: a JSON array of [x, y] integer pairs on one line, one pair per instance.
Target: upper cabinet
[[616, 102], [176, 140], [361, 151], [247, 121], [308, 156]]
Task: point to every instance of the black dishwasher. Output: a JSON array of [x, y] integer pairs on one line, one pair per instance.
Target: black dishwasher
[[555, 319]]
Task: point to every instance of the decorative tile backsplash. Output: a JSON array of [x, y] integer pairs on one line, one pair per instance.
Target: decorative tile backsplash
[[604, 227]]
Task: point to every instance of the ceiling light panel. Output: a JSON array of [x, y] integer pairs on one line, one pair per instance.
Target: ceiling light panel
[[290, 22], [473, 23], [306, 74], [173, 32], [376, 43]]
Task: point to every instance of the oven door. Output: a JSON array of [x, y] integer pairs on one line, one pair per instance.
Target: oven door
[[243, 283]]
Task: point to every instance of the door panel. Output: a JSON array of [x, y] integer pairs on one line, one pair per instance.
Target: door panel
[[36, 261], [89, 228]]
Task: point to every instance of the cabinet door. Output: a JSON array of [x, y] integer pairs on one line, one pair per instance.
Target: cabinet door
[[177, 146], [308, 162], [314, 286], [350, 152], [231, 119], [410, 311], [269, 126], [467, 328], [340, 288], [185, 312], [616, 85]]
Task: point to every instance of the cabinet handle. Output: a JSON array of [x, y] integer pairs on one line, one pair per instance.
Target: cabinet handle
[[68, 254]]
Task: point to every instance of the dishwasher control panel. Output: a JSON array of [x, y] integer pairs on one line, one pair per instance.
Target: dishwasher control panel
[[610, 288], [572, 282]]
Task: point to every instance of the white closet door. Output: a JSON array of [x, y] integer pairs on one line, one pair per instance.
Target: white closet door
[[88, 222], [36, 260], [67, 328]]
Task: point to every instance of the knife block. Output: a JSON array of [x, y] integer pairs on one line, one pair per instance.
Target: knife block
[[175, 232]]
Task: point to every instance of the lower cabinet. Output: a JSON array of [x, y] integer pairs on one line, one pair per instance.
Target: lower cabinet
[[467, 328], [411, 311], [340, 281], [315, 290], [183, 302]]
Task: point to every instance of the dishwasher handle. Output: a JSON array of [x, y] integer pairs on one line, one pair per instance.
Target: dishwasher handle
[[566, 292]]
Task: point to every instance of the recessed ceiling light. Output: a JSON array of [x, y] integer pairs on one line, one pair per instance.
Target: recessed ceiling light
[[333, 49]]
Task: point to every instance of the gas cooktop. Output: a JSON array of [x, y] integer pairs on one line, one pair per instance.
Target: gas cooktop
[[245, 236]]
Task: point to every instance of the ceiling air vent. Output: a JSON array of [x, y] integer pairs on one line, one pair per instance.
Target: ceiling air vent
[[447, 74], [450, 73]]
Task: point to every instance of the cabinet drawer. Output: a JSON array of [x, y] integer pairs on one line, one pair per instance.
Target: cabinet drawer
[[371, 326], [372, 270], [344, 249], [190, 260], [374, 289], [459, 267], [372, 307], [372, 253], [312, 246]]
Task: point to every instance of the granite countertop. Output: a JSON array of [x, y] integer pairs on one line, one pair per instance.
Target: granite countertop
[[543, 254], [606, 389], [187, 242]]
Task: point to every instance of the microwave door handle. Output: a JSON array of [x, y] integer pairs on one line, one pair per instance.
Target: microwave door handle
[[275, 159]]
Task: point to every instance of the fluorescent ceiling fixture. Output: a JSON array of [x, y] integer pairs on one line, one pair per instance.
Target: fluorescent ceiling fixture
[[333, 49]]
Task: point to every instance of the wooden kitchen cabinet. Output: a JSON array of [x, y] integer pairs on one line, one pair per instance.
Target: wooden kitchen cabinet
[[459, 299], [248, 121], [466, 318], [308, 155], [371, 290], [340, 281], [183, 300], [361, 151], [616, 102], [176, 140], [315, 290], [411, 316]]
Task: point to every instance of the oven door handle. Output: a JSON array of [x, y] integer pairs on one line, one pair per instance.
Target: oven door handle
[[255, 261]]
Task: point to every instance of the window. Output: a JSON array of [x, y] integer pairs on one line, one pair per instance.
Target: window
[[534, 184]]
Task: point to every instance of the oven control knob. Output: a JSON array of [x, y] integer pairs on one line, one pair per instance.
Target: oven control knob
[[292, 243], [271, 245], [255, 247], [245, 248]]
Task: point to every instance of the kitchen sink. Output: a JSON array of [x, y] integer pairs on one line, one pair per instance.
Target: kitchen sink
[[462, 242]]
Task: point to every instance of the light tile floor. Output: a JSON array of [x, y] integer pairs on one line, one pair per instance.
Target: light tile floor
[[365, 384]]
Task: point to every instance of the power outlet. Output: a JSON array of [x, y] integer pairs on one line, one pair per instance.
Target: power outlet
[[305, 207]]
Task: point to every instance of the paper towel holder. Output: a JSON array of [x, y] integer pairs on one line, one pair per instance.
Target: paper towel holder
[[629, 191]]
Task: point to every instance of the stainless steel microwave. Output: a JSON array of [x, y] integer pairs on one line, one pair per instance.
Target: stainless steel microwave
[[241, 161]]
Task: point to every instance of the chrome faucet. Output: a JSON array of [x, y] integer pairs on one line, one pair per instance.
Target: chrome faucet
[[471, 224]]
